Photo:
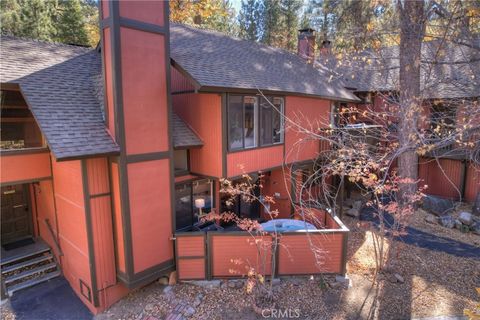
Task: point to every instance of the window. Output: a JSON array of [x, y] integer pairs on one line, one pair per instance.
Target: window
[[192, 199], [180, 161], [250, 126], [18, 127]]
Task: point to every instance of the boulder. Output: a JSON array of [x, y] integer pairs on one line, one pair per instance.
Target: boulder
[[475, 227], [458, 224], [437, 205], [430, 218], [465, 217], [447, 221], [353, 213], [399, 278]]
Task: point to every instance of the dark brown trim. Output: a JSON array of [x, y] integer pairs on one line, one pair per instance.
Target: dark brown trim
[[104, 24], [9, 86], [183, 92], [54, 202], [224, 134], [87, 295], [146, 276], [15, 152], [463, 181], [88, 156], [256, 148], [212, 89], [142, 26], [98, 195], [133, 158], [344, 253], [190, 257], [13, 183], [89, 227]]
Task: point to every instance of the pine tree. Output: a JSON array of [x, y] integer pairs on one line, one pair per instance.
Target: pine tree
[[271, 22], [290, 12], [70, 24], [36, 19], [249, 20], [9, 17]]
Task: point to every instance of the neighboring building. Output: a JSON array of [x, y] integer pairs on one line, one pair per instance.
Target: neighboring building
[[110, 155]]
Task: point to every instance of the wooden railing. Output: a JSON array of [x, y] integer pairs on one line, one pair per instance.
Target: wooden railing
[[52, 234]]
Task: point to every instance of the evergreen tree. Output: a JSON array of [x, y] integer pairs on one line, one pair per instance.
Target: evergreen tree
[[36, 19], [290, 11], [249, 19], [9, 16], [271, 22], [70, 24]]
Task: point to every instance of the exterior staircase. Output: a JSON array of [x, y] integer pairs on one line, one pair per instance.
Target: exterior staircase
[[28, 266]]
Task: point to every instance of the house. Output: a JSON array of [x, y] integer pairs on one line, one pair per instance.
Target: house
[[450, 92], [109, 155]]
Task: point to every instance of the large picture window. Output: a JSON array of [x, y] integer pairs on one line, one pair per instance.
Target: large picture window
[[254, 121]]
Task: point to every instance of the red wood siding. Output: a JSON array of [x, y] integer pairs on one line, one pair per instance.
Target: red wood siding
[[21, 167], [191, 257], [118, 221], [443, 177], [145, 10], [235, 263], [145, 107], [317, 253], [44, 208], [179, 83], [278, 182], [150, 213], [107, 54], [307, 113], [254, 160], [202, 112], [72, 230], [101, 216], [472, 185]]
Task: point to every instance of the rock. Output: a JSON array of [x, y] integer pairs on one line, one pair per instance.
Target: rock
[[430, 218], [344, 280], [167, 289], [188, 312], [239, 284], [437, 205], [353, 213], [149, 307], [475, 228], [357, 205], [163, 281], [465, 217], [209, 284], [399, 278], [458, 224], [447, 221], [172, 279], [276, 281], [197, 302], [231, 284]]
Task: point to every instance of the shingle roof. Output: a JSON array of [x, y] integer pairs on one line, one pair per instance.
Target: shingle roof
[[448, 70], [60, 84], [215, 60], [183, 135]]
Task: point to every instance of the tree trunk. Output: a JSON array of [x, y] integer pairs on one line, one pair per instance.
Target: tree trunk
[[476, 205], [411, 35]]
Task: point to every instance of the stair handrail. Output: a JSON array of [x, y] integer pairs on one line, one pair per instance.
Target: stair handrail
[[50, 230]]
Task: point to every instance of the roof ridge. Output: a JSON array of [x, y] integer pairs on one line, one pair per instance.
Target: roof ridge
[[52, 43]]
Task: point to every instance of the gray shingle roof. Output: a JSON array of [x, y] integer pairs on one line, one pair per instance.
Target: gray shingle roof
[[448, 70], [183, 135], [216, 60], [60, 84]]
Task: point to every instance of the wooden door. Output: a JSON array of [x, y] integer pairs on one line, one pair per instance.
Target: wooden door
[[15, 215]]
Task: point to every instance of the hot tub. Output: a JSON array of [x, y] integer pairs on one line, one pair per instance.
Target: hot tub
[[283, 225]]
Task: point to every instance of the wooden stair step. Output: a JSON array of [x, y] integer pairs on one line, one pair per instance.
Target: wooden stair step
[[33, 282], [26, 263], [30, 272]]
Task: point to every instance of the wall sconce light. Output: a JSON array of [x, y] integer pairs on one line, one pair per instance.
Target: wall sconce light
[[200, 204]]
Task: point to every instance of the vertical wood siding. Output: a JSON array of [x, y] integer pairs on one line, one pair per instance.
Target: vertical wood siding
[[191, 257], [202, 112], [118, 222], [179, 82], [317, 253], [233, 255], [472, 185], [308, 113], [443, 177], [278, 182], [249, 161]]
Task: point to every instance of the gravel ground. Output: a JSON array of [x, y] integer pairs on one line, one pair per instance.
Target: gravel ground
[[434, 284], [418, 222]]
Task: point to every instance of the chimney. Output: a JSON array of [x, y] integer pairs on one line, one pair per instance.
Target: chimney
[[306, 44], [136, 62], [326, 48]]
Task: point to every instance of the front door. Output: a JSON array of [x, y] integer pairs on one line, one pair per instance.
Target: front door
[[16, 220]]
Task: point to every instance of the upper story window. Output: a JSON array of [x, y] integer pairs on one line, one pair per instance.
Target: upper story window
[[180, 162], [18, 127], [254, 121]]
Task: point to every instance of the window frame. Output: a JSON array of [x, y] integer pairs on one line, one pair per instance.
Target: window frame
[[257, 122]]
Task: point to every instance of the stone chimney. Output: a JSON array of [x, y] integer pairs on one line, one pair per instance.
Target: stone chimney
[[306, 44], [326, 48]]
